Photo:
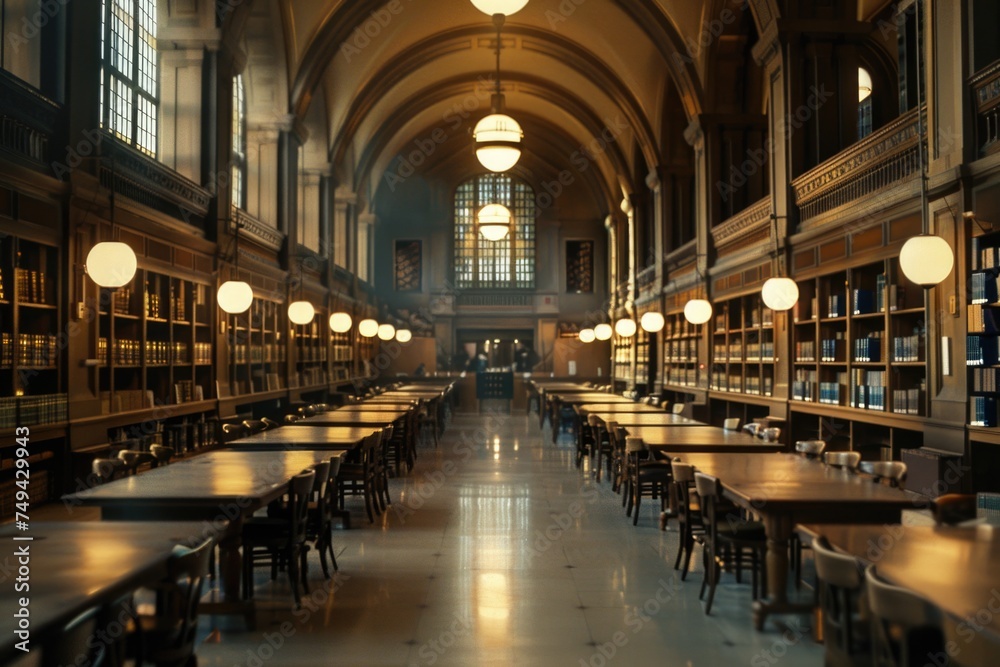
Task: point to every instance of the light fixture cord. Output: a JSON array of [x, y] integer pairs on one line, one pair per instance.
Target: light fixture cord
[[924, 226], [498, 21]]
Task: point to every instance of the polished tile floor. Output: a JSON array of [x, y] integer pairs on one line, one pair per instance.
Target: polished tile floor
[[498, 551]]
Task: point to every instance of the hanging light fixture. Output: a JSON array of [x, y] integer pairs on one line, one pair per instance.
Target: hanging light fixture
[[625, 327], [498, 136], [404, 335], [925, 259], [368, 327], [301, 311], [340, 321], [386, 332], [506, 7], [587, 335], [111, 263], [652, 321], [235, 296], [864, 84], [779, 293], [602, 331], [494, 219], [698, 311]]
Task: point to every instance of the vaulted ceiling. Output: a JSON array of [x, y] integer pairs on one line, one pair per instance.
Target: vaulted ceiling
[[386, 78]]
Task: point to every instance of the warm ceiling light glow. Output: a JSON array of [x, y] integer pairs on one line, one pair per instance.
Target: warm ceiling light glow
[[926, 260], [386, 332], [779, 293], [404, 336], [497, 141], [698, 311], [625, 327], [494, 222], [341, 322], [505, 7], [864, 84], [111, 264], [602, 332], [301, 312], [234, 296], [587, 335], [368, 328], [652, 321]]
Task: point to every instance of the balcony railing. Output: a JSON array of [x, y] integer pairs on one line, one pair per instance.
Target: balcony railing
[[986, 87], [877, 163], [485, 300], [748, 233], [646, 282], [28, 121], [255, 229]]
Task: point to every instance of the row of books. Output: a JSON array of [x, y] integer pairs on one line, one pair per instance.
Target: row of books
[[33, 410], [124, 352], [721, 381], [985, 253], [868, 397], [832, 393], [679, 327], [985, 379], [343, 353], [868, 349], [759, 386], [805, 350], [908, 401], [260, 354], [984, 288], [833, 349], [152, 304], [682, 377], [178, 305], [836, 305], [761, 318], [126, 401], [908, 348], [121, 299], [980, 350], [760, 352], [186, 391], [311, 377], [36, 350], [681, 350], [983, 411], [31, 286], [982, 319]]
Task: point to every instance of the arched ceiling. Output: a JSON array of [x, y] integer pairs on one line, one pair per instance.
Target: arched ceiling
[[396, 73]]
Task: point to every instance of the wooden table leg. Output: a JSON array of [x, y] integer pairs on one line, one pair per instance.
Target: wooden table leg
[[779, 530], [230, 562]]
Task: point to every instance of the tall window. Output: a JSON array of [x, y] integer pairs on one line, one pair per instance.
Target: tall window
[[508, 263], [239, 159], [129, 98]]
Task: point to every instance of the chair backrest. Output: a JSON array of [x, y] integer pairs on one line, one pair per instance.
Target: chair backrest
[[634, 444], [710, 492], [162, 454], [893, 472], [233, 431], [678, 408], [752, 428], [731, 424], [953, 508], [809, 448], [177, 603], [593, 421], [772, 434], [906, 627], [269, 423], [75, 641], [106, 470], [322, 477], [254, 425], [299, 492], [841, 580], [291, 419], [847, 460]]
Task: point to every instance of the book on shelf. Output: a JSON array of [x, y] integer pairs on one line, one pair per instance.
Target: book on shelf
[[805, 350], [803, 385], [833, 393], [836, 305], [983, 411], [30, 286], [833, 349], [868, 389], [983, 287], [907, 401], [983, 319], [804, 309], [33, 410], [868, 349], [908, 348], [980, 350], [864, 302], [985, 380]]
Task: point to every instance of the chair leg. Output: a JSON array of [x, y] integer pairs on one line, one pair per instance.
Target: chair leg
[[329, 545], [304, 567], [689, 548], [638, 501], [293, 579], [713, 574]]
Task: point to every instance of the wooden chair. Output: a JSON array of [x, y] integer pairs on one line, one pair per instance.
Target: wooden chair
[[321, 512], [132, 460], [841, 592], [848, 460], [161, 455], [906, 628], [281, 540], [891, 472], [107, 470], [953, 508], [731, 424], [78, 643], [727, 537], [601, 450], [645, 477], [233, 432], [585, 439], [771, 434], [691, 526], [269, 423], [254, 426], [291, 419], [168, 637], [810, 449], [359, 478]]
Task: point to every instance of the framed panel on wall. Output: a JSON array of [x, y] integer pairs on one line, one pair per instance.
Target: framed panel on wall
[[409, 265], [580, 266]]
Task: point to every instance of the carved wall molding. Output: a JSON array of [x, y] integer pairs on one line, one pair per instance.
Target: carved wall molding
[[255, 230]]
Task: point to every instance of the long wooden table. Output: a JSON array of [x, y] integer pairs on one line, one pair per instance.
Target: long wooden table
[[785, 490], [617, 407], [76, 566], [220, 488], [627, 419], [376, 406], [374, 418], [304, 437], [670, 440], [957, 569]]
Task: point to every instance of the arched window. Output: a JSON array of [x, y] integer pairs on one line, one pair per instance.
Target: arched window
[[239, 158], [505, 264], [129, 80]]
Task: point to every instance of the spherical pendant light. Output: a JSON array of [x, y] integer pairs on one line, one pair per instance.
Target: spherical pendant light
[[234, 296], [497, 141], [652, 321], [506, 7], [587, 335], [386, 332], [494, 222], [926, 260], [404, 336], [698, 311], [111, 264], [779, 293], [301, 312], [341, 322], [368, 328], [864, 84], [602, 332], [625, 327]]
